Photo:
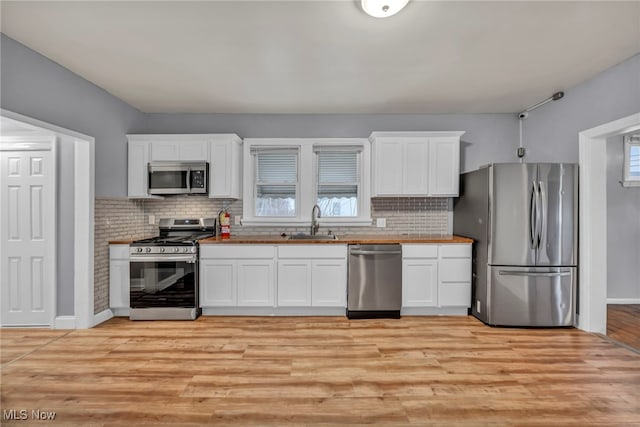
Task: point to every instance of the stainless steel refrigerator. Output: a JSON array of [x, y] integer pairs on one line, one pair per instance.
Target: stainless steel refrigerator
[[524, 220]]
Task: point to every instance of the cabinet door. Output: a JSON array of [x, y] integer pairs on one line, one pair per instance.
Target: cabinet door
[[388, 170], [420, 283], [218, 283], [119, 283], [329, 283], [455, 282], [416, 168], [137, 169], [294, 283], [255, 282], [444, 166], [196, 151]]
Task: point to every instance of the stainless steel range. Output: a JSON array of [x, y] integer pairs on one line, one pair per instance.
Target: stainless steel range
[[164, 270]]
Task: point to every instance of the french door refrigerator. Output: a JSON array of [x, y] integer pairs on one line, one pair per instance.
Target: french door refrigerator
[[523, 218]]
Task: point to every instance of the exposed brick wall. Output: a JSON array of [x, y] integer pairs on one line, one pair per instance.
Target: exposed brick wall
[[114, 219]]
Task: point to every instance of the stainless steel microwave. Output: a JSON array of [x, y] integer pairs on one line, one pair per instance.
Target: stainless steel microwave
[[178, 178]]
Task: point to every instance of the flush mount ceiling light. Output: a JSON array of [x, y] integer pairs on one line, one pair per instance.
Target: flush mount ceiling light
[[383, 8]]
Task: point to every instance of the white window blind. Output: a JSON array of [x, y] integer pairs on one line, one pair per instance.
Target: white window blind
[[276, 181], [631, 160], [338, 181]]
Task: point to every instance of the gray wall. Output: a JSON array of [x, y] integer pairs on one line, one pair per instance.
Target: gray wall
[[551, 134], [623, 228], [488, 137], [35, 86], [551, 131]]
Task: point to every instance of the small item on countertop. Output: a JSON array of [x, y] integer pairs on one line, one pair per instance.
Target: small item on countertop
[[225, 224]]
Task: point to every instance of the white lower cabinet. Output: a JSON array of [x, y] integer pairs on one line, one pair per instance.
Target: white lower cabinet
[[218, 283], [436, 276], [237, 276], [119, 279], [312, 275], [294, 283]]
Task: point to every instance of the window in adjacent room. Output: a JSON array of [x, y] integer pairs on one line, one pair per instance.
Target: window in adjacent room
[[276, 182], [631, 176]]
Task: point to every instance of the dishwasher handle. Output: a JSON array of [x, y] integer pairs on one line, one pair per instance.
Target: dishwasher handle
[[361, 252]]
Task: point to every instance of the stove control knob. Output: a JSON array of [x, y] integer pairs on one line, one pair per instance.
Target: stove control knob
[[147, 249], [186, 249], [176, 249], [161, 249], [138, 249]]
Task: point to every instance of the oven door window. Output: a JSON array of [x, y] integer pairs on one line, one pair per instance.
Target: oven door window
[[161, 180], [163, 284]]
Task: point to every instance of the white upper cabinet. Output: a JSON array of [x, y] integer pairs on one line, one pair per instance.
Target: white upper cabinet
[[223, 152], [177, 148], [225, 167], [416, 163]]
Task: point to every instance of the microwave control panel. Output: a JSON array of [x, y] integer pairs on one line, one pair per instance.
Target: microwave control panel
[[197, 179]]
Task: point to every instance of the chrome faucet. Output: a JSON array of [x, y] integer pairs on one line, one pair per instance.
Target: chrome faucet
[[315, 214]]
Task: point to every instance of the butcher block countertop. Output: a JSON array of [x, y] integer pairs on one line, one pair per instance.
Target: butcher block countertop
[[345, 239]]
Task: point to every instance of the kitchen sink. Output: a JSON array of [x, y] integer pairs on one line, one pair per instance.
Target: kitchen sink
[[310, 237]]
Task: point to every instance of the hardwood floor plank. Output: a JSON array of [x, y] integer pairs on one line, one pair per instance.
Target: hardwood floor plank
[[321, 371]]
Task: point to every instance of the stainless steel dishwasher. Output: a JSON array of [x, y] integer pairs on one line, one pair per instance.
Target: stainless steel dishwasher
[[375, 281]]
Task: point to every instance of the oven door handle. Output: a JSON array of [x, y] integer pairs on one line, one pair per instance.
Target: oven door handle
[[191, 259]]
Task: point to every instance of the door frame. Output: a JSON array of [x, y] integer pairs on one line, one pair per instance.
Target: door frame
[[41, 142], [592, 153], [84, 200]]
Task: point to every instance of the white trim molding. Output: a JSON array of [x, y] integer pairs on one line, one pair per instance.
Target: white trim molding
[[84, 166], [103, 316], [623, 301], [592, 311], [64, 322]]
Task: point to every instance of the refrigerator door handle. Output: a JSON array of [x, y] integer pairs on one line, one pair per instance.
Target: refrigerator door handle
[[542, 207], [533, 215], [539, 214], [533, 273]]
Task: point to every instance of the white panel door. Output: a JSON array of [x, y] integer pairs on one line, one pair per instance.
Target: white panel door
[[27, 220], [220, 170], [119, 283], [194, 151], [294, 283], [255, 283], [164, 151], [329, 283], [137, 169]]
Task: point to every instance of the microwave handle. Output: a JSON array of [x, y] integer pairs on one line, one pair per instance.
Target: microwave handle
[[189, 179]]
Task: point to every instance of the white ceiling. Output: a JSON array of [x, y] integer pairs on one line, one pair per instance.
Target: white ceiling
[[328, 56]]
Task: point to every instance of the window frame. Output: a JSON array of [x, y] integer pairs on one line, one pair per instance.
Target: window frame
[[627, 179], [307, 181]]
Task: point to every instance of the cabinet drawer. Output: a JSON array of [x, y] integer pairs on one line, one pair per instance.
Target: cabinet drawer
[[455, 270], [312, 251], [455, 295], [222, 251], [455, 251], [119, 252], [419, 251]]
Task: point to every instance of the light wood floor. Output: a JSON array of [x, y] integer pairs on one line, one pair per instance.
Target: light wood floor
[[623, 324], [309, 371]]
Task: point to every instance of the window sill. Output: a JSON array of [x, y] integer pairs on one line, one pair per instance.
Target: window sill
[[630, 183]]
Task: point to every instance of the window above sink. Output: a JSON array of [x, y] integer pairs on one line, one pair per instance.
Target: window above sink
[[284, 178]]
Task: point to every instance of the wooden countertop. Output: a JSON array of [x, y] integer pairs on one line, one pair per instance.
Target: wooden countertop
[[128, 241], [344, 239]]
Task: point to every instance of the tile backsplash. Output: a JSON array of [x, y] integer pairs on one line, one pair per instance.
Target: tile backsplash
[[119, 219]]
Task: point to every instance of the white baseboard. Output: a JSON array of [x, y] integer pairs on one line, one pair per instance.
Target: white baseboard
[[103, 316], [623, 300], [64, 322]]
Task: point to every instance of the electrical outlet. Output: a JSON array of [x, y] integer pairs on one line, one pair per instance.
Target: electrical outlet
[[381, 222], [152, 219], [237, 220]]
